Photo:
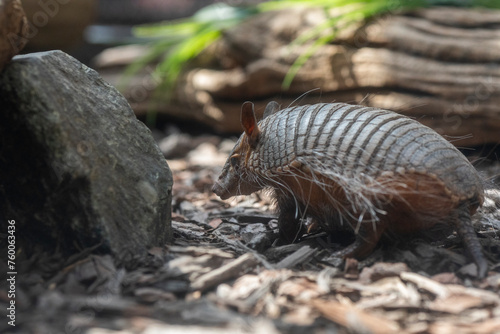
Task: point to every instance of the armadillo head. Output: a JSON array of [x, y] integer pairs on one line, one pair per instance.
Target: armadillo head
[[236, 178]]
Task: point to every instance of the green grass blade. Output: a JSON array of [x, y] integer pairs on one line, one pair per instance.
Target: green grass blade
[[170, 68], [167, 29]]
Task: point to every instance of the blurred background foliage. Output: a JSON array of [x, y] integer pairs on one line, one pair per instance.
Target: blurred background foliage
[[175, 31], [173, 44], [167, 35]]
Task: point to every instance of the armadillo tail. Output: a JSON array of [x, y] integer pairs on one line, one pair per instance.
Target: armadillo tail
[[468, 235]]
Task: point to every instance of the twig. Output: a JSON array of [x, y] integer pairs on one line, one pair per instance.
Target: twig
[[228, 271], [240, 247]]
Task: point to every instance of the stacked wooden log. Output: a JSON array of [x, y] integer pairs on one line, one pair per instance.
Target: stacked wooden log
[[439, 65], [13, 28]]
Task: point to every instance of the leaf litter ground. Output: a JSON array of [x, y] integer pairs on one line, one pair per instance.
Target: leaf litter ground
[[223, 273]]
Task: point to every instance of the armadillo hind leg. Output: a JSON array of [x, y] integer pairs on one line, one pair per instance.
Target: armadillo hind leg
[[365, 242], [288, 221], [466, 231]]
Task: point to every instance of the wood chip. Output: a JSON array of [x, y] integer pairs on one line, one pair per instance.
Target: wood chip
[[198, 251], [455, 303], [425, 283], [381, 270], [488, 327], [299, 256], [228, 271], [354, 319], [151, 295], [301, 316]]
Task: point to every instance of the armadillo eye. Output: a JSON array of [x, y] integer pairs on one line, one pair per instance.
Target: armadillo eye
[[234, 161]]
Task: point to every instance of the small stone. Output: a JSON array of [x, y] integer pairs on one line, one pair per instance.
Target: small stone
[[257, 237]]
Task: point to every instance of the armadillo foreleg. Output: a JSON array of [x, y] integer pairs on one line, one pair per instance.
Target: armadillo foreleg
[[288, 221]]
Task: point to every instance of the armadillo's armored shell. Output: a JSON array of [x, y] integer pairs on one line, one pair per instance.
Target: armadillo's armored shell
[[356, 141]]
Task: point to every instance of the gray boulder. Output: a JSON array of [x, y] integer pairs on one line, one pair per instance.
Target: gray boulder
[[76, 166]]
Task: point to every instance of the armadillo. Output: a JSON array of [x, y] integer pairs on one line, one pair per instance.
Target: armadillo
[[348, 166]]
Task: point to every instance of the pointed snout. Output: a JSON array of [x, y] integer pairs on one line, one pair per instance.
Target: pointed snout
[[219, 191], [215, 189]]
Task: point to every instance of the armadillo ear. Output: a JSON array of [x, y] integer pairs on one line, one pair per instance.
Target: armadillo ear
[[271, 108], [249, 123]]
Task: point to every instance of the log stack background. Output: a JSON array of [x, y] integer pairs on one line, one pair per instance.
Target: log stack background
[[439, 65], [13, 29]]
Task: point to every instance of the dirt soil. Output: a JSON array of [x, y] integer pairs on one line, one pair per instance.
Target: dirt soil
[[224, 274]]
